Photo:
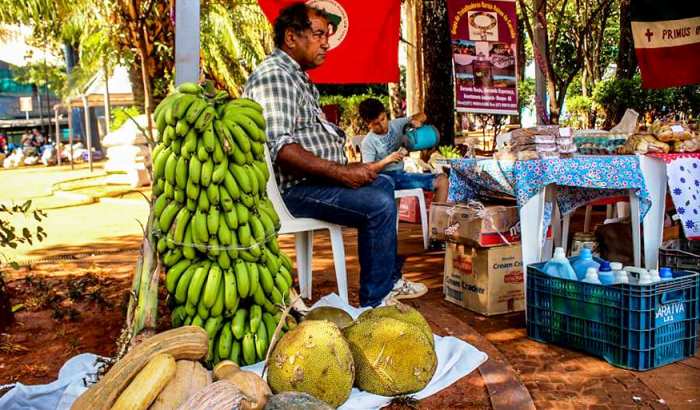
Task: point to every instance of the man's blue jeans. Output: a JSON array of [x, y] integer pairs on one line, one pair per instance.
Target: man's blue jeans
[[372, 210]]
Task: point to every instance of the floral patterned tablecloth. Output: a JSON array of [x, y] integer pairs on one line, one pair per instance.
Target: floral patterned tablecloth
[[579, 180]]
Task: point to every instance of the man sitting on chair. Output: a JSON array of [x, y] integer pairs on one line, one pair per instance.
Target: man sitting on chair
[[313, 174]]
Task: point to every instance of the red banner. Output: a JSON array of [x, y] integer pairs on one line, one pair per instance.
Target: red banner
[[667, 41], [364, 47], [484, 38]]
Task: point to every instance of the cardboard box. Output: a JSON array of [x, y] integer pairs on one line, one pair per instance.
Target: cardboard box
[[409, 210], [488, 281], [462, 224]]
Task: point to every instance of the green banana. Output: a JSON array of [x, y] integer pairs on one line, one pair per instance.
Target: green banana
[[254, 185], [259, 177], [181, 221], [213, 248], [189, 146], [167, 216], [213, 194], [195, 289], [286, 261], [241, 176], [200, 232], [203, 201], [247, 200], [205, 119], [242, 213], [254, 277], [224, 234], [213, 221], [158, 187], [218, 308], [286, 275], [281, 284], [174, 273], [181, 173], [183, 283], [266, 280], [242, 278], [207, 170], [195, 110], [244, 236], [212, 326], [159, 156], [159, 205], [225, 199], [254, 115], [230, 291], [235, 355], [162, 245], [187, 244], [261, 342], [231, 186], [178, 316], [246, 102], [238, 323], [211, 289], [259, 297], [192, 190], [220, 172], [209, 140], [255, 317], [195, 169], [181, 128], [179, 196], [248, 346], [270, 325], [225, 342], [202, 311], [231, 218], [197, 321], [257, 228], [239, 134], [170, 167], [190, 88], [272, 244], [223, 259]]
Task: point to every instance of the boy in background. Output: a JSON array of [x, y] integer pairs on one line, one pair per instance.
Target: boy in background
[[382, 146]]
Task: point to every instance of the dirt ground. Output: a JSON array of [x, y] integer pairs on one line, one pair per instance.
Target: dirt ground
[[73, 293]]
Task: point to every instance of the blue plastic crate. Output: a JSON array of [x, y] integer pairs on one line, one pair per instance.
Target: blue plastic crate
[[635, 327]]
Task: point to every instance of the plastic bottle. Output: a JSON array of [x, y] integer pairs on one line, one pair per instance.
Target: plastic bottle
[[605, 273], [619, 273], [665, 273], [591, 276], [635, 274], [645, 278], [583, 262], [654, 274], [559, 266]]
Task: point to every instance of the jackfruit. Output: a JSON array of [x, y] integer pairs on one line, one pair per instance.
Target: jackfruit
[[338, 316], [403, 313], [313, 358], [391, 357]]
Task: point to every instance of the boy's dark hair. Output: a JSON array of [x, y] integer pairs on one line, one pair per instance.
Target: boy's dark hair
[[370, 109], [295, 17]]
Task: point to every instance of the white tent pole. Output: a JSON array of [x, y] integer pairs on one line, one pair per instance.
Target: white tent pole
[[106, 98], [58, 136], [186, 41]]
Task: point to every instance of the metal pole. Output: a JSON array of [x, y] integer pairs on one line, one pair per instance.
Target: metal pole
[[88, 131], [540, 77], [58, 136], [186, 41], [106, 97], [70, 132]]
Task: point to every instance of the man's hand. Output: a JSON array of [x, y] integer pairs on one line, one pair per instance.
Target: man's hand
[[356, 175], [418, 119], [393, 157]]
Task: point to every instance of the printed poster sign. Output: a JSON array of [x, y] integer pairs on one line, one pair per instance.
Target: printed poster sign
[[484, 38]]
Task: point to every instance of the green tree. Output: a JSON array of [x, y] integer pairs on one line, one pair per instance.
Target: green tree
[[10, 237]]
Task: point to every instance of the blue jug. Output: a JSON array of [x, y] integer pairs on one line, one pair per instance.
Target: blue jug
[[421, 138]]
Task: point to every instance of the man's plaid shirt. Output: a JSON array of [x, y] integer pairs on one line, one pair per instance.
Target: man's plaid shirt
[[292, 113]]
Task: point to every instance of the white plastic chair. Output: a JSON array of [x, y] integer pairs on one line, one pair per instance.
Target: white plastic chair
[[418, 193], [303, 229]]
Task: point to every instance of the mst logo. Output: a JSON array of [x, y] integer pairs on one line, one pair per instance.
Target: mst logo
[[337, 17]]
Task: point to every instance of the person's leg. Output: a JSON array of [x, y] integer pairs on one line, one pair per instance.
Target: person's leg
[[370, 209], [442, 185]]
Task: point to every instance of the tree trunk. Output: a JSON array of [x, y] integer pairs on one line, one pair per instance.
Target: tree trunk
[[136, 84], [395, 105], [6, 316], [437, 66], [626, 59], [414, 51]]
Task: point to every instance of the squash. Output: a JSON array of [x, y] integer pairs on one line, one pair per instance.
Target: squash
[[190, 377], [218, 395], [187, 342], [147, 384], [253, 387]]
